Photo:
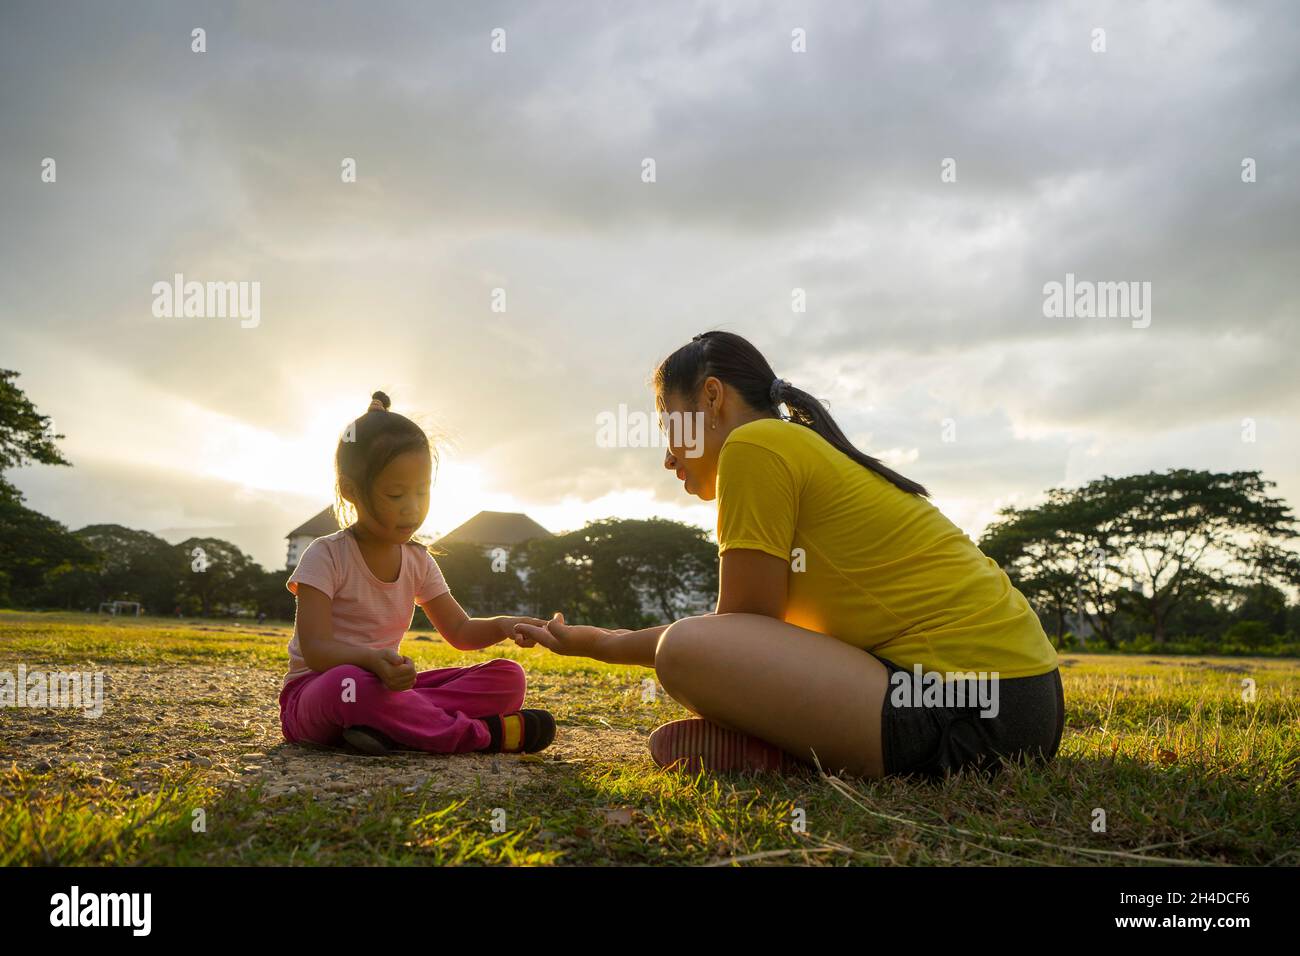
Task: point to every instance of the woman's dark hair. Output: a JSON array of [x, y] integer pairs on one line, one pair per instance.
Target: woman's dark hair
[[367, 446], [732, 359]]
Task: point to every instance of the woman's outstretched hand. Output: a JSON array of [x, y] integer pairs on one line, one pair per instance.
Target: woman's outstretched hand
[[570, 640]]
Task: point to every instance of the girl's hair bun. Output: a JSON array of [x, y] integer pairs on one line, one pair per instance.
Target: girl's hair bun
[[382, 399]]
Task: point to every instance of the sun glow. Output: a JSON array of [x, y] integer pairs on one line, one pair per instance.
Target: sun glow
[[183, 436], [303, 464]]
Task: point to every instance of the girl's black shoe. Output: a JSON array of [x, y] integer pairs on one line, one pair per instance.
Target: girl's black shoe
[[370, 741]]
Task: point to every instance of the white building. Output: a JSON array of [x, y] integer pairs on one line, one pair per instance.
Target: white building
[[307, 532]]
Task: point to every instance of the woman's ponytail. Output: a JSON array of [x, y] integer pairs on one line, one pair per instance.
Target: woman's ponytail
[[732, 359], [811, 413]]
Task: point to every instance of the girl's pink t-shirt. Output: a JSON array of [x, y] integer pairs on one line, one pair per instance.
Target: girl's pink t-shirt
[[366, 612]]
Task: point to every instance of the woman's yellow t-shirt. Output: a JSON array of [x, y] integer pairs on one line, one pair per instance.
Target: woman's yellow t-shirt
[[871, 564]]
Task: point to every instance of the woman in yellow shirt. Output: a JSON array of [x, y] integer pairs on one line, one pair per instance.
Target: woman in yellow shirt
[[855, 626]]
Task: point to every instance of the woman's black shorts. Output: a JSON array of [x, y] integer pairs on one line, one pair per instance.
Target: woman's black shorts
[[933, 741]]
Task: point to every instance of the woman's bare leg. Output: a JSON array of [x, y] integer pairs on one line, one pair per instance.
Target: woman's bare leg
[[802, 691]]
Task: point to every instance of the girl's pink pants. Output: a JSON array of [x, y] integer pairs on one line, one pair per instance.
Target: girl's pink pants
[[438, 714]]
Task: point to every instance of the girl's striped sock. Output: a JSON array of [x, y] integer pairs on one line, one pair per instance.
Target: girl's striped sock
[[524, 731]]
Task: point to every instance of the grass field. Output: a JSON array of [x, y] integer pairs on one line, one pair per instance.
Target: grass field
[[186, 765]]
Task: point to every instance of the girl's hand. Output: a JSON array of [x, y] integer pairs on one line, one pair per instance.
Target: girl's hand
[[569, 640], [396, 671], [507, 625]]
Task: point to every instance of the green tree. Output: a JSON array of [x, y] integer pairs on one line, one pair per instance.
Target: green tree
[[628, 573], [218, 574], [1186, 533], [1150, 543], [1250, 634], [267, 594], [672, 567], [26, 436], [35, 552], [34, 549], [131, 565], [1261, 602], [1201, 616], [559, 577], [483, 583]]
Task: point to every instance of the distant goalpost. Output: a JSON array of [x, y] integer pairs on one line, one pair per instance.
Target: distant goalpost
[[121, 607]]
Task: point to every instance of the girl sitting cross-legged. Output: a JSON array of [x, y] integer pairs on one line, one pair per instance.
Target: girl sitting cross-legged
[[356, 591]]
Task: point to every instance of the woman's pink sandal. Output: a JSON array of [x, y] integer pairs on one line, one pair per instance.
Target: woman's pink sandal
[[696, 744]]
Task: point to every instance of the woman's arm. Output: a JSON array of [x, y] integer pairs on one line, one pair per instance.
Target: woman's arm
[[467, 633], [753, 582], [598, 643], [630, 647], [749, 582]]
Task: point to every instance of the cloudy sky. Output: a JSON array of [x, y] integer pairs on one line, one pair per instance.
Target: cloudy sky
[[522, 170]]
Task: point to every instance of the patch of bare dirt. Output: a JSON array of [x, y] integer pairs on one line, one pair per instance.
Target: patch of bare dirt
[[224, 721]]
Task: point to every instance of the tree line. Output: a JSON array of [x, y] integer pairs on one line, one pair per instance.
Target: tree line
[[1177, 560], [632, 572]]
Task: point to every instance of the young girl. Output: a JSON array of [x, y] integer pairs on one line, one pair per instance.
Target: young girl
[[356, 591]]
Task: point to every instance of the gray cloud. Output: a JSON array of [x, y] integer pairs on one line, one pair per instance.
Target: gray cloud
[[775, 170]]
